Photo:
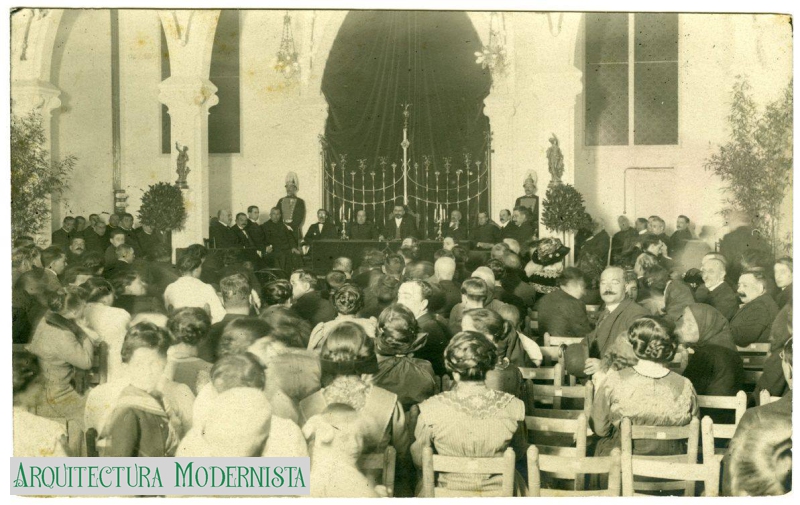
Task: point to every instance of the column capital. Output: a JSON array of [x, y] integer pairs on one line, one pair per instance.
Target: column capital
[[34, 96], [187, 93]]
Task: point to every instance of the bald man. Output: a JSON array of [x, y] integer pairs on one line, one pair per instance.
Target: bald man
[[444, 271], [626, 233], [715, 291]]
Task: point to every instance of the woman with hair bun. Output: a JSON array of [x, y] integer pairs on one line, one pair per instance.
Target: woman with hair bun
[[647, 393], [471, 420], [62, 346], [110, 323], [348, 362], [348, 301], [505, 376], [34, 436]]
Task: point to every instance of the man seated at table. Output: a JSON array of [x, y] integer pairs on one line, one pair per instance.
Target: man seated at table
[[486, 234], [399, 225], [454, 230], [361, 229], [322, 229]]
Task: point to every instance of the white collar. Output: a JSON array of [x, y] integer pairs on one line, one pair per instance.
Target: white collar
[[651, 369], [398, 218], [643, 231], [612, 308]]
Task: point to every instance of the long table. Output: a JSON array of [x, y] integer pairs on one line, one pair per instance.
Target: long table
[[324, 252]]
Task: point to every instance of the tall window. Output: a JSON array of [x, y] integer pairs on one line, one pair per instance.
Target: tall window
[[631, 79], [224, 119]]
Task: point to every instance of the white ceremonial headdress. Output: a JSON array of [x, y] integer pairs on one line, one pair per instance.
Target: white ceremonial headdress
[[291, 178], [533, 177]]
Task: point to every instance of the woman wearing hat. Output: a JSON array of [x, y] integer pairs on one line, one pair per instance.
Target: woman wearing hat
[[471, 420], [546, 264], [647, 393], [348, 362], [398, 337]]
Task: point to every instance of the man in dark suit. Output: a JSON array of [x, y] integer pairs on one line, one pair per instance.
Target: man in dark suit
[[521, 229], [598, 244], [415, 296], [241, 232], [282, 248], [149, 241], [682, 235], [620, 239], [504, 223], [219, 231], [561, 312], [131, 238], [530, 201], [399, 226], [307, 302], [486, 234], [734, 244], [254, 229], [62, 236], [96, 238], [454, 229], [321, 230], [715, 291], [292, 207], [444, 271], [361, 229], [619, 313], [753, 322], [657, 227]]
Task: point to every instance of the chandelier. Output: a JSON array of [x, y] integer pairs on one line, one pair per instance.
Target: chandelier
[[493, 55], [287, 62]]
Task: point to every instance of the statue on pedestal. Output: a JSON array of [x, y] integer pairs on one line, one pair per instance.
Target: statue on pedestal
[[555, 162], [183, 169]]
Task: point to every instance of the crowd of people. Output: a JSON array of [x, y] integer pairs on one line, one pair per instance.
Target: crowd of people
[[390, 348]]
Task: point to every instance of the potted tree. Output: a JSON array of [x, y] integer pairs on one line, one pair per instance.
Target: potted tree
[[164, 210], [34, 177], [563, 210]]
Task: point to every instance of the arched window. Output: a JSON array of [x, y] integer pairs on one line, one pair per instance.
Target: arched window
[[224, 119]]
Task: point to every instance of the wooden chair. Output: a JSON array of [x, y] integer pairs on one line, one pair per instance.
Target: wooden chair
[[737, 403], [559, 437], [629, 433], [92, 450], [552, 375], [552, 354], [533, 323], [765, 398], [751, 379], [556, 392], [706, 472], [576, 466], [756, 348], [433, 463], [550, 340], [754, 355], [381, 461]]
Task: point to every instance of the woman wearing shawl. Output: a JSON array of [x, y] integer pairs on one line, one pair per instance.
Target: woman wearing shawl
[[715, 368], [348, 362], [398, 337], [139, 425]]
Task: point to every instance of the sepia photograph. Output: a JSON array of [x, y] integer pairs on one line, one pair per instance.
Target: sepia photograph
[[359, 253]]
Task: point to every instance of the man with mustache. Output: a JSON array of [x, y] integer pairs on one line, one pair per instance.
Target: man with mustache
[[619, 313], [753, 322]]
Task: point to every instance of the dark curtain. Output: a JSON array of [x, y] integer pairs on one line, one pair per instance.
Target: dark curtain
[[379, 61]]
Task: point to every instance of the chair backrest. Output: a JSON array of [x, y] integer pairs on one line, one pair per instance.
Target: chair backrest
[[552, 354], [736, 403], [756, 348], [385, 462], [578, 467], [690, 433], [546, 394], [553, 375], [433, 463], [707, 472], [765, 398], [559, 437], [750, 378], [550, 340], [92, 450], [533, 321]]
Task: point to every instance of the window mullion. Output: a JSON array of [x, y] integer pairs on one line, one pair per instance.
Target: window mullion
[[631, 74]]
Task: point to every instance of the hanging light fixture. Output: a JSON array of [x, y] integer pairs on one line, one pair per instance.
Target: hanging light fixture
[[287, 62], [493, 54]]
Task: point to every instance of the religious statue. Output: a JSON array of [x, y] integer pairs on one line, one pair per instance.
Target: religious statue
[[555, 162], [293, 209], [183, 169]]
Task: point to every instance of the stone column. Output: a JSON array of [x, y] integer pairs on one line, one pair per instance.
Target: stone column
[[188, 100]]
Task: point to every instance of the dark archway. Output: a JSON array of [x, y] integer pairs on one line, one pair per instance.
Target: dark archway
[[378, 61]]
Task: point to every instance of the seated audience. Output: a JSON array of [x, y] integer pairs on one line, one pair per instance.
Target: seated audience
[[345, 265], [533, 353], [348, 301], [753, 321], [416, 296], [189, 327], [139, 425], [715, 291], [476, 293], [34, 436], [783, 280], [116, 238], [235, 291], [506, 375], [380, 295], [677, 295], [190, 291], [715, 367], [109, 322], [397, 340], [444, 269], [648, 393], [371, 265], [124, 261], [308, 303], [471, 420], [54, 262], [348, 360], [278, 292], [336, 441], [28, 304], [75, 276], [561, 312]]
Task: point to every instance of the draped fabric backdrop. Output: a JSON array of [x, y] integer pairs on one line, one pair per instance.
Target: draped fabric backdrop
[[379, 61]]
